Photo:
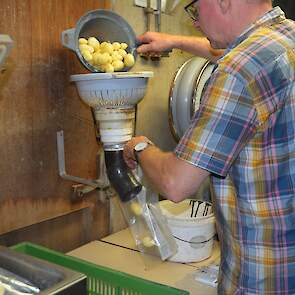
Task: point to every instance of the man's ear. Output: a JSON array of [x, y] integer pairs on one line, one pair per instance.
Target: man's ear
[[224, 5]]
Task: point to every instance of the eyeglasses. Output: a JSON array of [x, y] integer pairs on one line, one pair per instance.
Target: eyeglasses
[[192, 10]]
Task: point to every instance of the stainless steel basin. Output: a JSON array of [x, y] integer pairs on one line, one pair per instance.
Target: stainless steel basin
[[48, 277]]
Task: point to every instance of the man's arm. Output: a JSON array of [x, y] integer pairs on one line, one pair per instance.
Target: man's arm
[[172, 177], [157, 42]]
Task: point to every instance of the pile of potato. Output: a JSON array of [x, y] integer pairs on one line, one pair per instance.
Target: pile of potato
[[137, 210], [106, 57]]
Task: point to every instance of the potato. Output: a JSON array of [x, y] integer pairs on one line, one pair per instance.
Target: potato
[[118, 65], [87, 55], [116, 45], [129, 60], [116, 56], [83, 41], [97, 47], [108, 68], [104, 43], [83, 47], [106, 47], [102, 58], [106, 56], [96, 57], [122, 52], [124, 46], [92, 41], [105, 59], [148, 242], [135, 206]]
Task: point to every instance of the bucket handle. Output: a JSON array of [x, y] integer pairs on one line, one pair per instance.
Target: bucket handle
[[68, 39]]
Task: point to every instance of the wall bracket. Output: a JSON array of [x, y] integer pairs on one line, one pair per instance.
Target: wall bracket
[[84, 185]]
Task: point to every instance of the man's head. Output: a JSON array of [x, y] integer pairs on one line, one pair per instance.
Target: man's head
[[224, 20]]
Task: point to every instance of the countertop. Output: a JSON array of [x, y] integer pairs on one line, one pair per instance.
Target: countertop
[[118, 251]]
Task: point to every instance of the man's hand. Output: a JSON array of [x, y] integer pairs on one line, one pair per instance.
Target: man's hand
[[128, 153], [154, 43]]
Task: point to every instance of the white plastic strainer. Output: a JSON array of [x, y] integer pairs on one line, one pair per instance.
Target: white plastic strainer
[[112, 90]]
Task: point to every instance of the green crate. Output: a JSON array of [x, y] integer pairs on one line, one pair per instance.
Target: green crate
[[100, 280]]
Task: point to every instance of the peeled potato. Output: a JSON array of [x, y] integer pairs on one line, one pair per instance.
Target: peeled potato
[[106, 56], [118, 65], [105, 59], [116, 45], [102, 58], [97, 47], [108, 68], [122, 52], [129, 60], [96, 57], [106, 47], [135, 207], [92, 41], [83, 41], [87, 47], [148, 242], [116, 56], [124, 46], [87, 55], [103, 44]]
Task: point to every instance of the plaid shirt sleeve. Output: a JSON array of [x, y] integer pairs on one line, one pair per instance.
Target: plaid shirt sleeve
[[224, 123]]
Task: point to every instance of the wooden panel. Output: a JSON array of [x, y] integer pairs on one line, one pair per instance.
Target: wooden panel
[[61, 233], [36, 101]]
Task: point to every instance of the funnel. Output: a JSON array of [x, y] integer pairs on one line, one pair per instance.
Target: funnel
[[113, 97], [112, 90]]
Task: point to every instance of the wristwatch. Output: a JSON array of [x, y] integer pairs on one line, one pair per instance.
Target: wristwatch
[[139, 147]]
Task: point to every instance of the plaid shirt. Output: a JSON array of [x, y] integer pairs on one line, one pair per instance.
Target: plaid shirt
[[244, 134]]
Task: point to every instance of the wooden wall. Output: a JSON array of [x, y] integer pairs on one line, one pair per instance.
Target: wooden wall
[[36, 101]]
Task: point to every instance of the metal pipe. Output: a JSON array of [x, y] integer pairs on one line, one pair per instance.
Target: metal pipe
[[158, 15], [148, 11]]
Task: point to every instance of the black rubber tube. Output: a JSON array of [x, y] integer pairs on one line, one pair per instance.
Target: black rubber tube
[[120, 176]]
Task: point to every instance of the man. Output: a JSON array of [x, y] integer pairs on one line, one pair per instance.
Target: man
[[243, 137]]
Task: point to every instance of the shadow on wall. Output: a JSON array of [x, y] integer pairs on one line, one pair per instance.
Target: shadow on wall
[[288, 6]]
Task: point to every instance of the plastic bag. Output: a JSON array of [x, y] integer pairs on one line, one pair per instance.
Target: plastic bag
[[148, 225]]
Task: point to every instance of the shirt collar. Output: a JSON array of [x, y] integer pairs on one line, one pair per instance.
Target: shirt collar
[[273, 16]]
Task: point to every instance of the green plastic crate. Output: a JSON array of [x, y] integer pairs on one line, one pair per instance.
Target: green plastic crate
[[100, 280]]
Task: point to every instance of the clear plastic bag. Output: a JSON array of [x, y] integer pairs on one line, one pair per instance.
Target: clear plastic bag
[[148, 225]]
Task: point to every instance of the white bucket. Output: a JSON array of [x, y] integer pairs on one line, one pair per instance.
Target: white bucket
[[192, 224]]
